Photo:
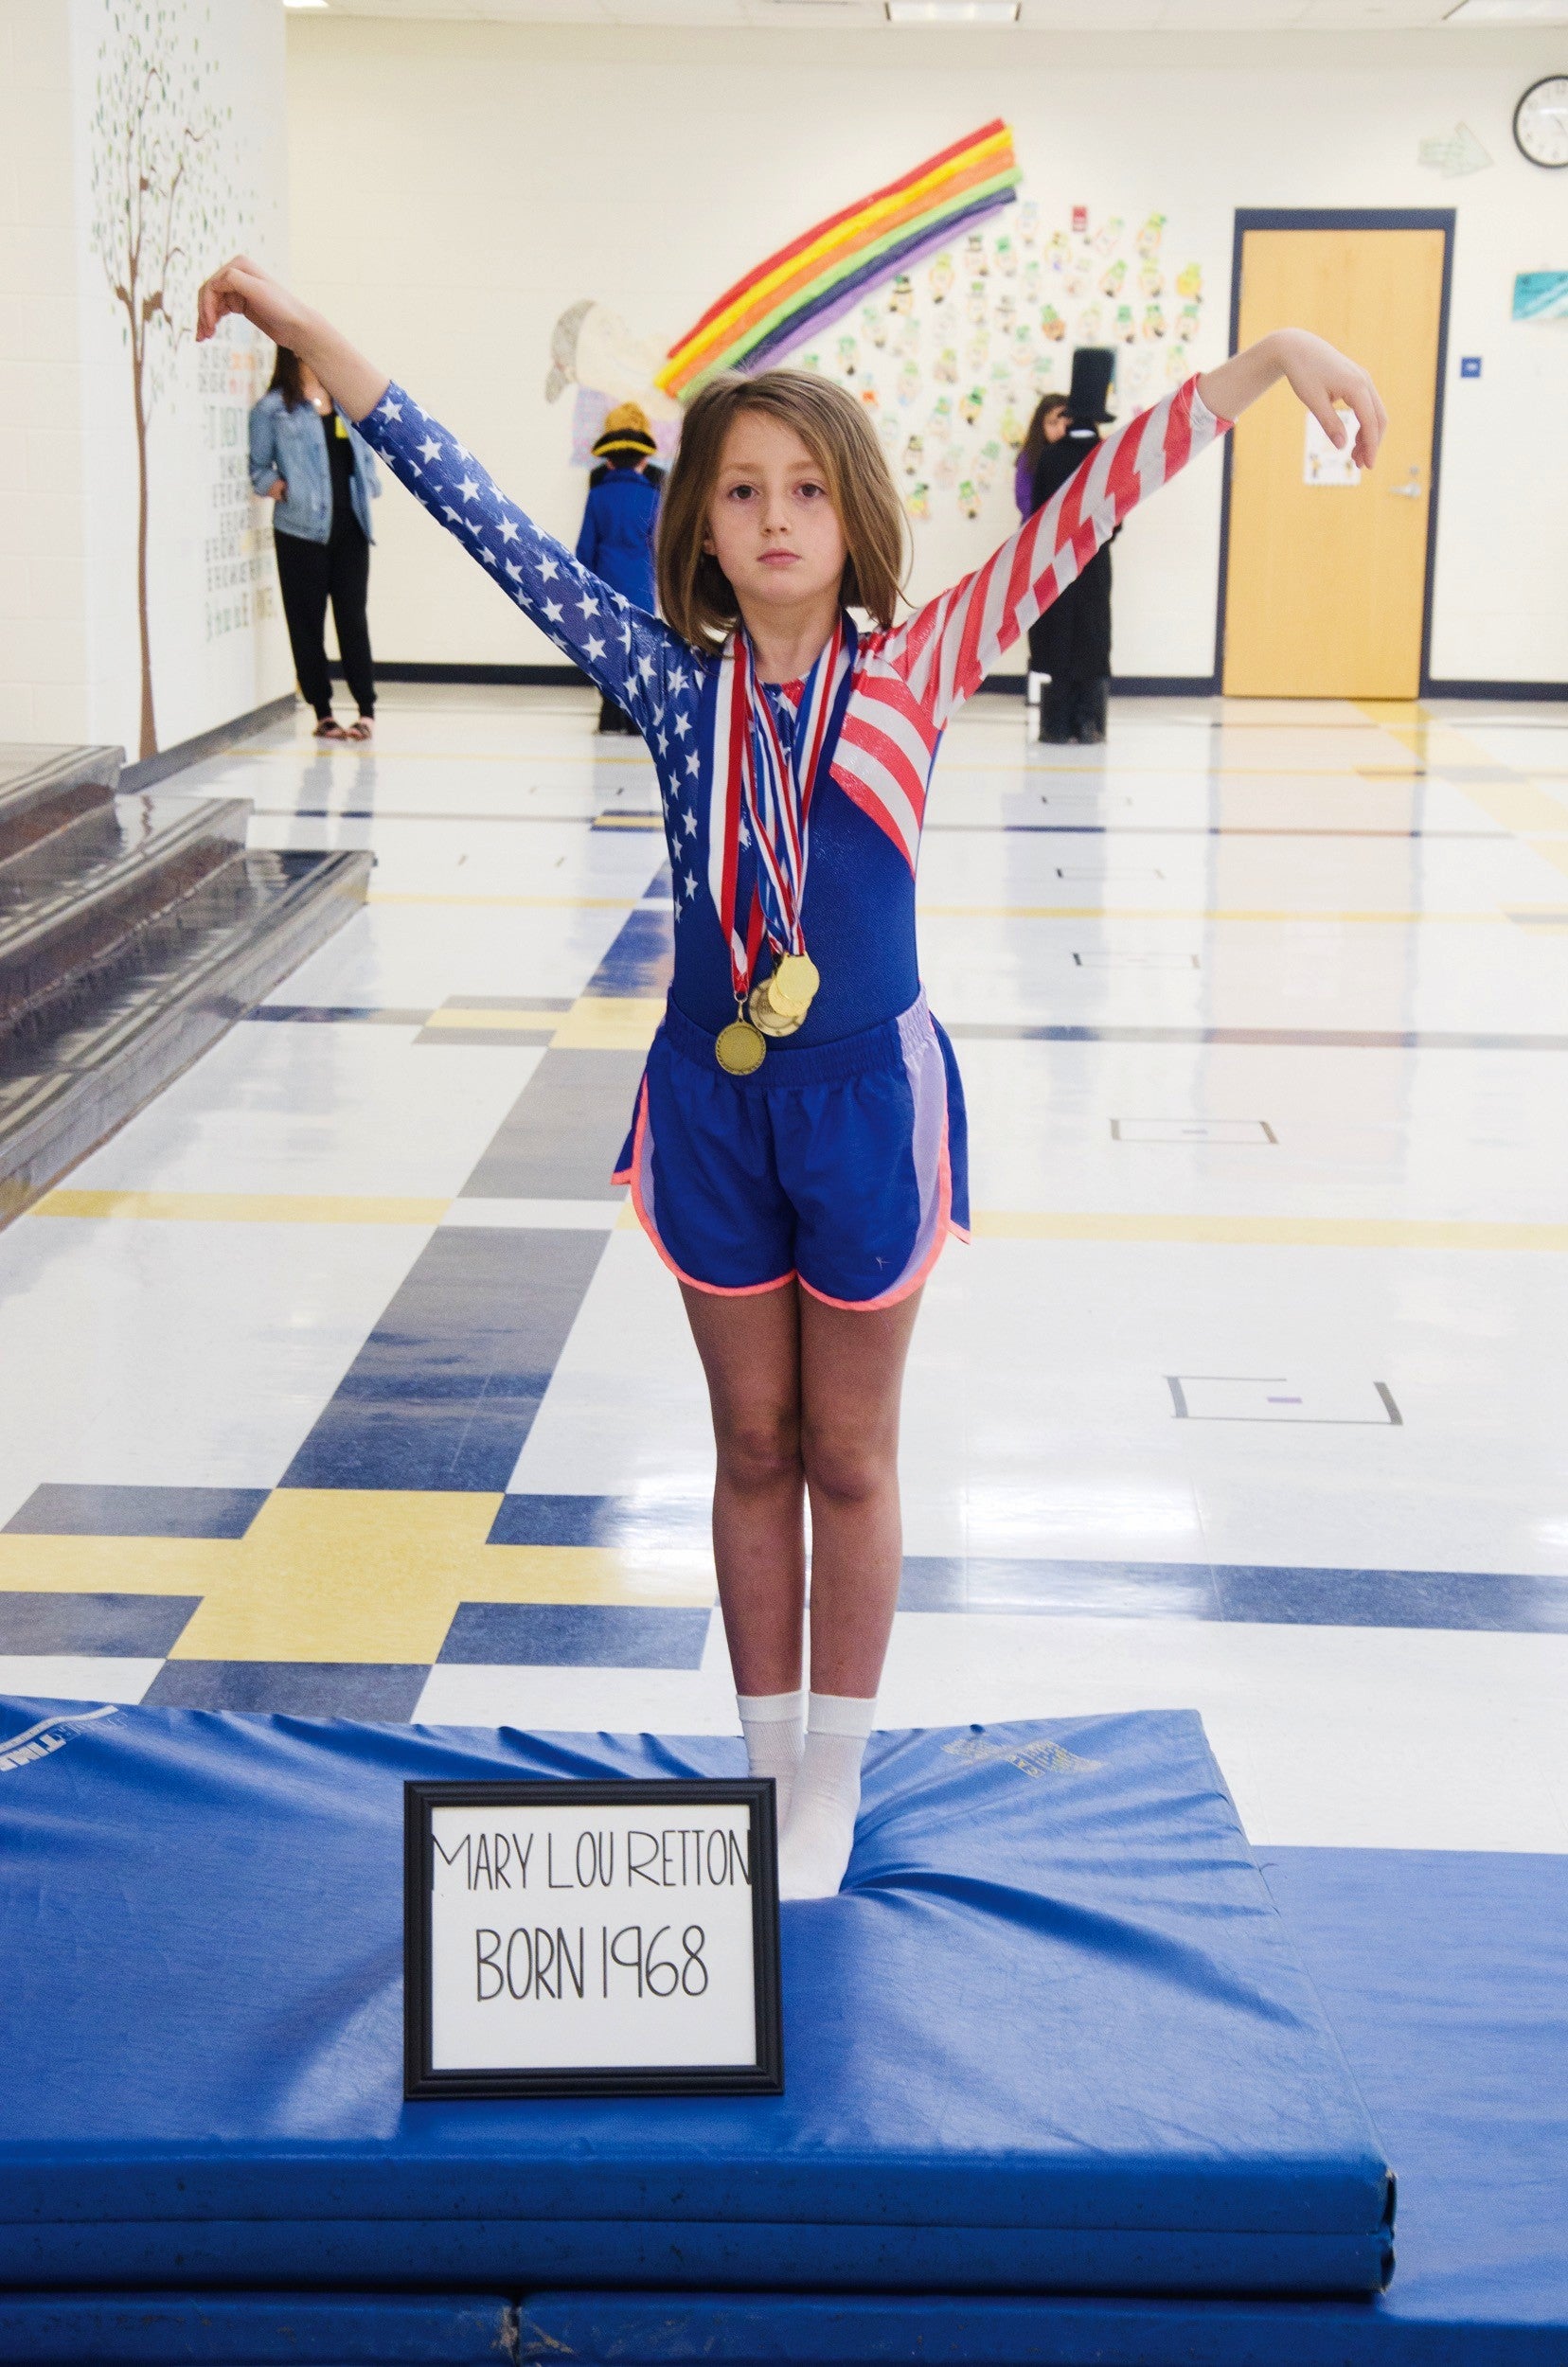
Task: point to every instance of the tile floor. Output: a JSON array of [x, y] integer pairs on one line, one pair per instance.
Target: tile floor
[[339, 1380]]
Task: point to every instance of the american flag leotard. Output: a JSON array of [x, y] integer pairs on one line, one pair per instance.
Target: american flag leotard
[[908, 683]]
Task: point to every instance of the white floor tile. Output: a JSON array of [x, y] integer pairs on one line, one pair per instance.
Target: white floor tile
[[182, 1354], [277, 1107], [73, 1677], [582, 1700], [1344, 1737]]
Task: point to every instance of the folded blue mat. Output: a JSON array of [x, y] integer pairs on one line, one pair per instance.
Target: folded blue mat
[[255, 2330], [1053, 2036], [1442, 1972]]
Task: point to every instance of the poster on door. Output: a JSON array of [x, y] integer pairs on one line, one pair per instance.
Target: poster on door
[[1321, 463]]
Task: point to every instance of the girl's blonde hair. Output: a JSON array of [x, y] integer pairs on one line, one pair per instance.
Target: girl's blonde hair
[[694, 592]]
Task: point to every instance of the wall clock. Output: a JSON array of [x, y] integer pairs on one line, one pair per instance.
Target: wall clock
[[1540, 123]]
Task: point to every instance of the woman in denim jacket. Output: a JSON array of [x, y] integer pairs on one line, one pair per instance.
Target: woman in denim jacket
[[305, 457]]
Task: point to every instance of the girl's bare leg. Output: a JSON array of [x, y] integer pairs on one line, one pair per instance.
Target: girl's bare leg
[[851, 1381], [750, 1349], [806, 1397], [851, 1377]]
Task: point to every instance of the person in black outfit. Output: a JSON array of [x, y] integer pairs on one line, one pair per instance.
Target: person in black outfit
[[1072, 641], [305, 457]]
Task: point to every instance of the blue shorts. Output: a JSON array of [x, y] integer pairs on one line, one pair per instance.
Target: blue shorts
[[843, 1165]]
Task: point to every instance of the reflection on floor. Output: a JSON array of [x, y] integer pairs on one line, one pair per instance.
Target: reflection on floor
[[340, 1381]]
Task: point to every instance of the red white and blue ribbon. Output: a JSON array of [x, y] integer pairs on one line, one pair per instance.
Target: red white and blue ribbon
[[761, 794]]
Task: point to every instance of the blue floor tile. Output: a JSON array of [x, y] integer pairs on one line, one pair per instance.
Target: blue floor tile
[[598, 1521], [446, 1388], [113, 1626], [291, 1688], [642, 957], [563, 1135], [1478, 1600], [1106, 1590], [65, 1510], [574, 1635]]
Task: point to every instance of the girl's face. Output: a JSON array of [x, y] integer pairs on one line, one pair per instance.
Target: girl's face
[[1054, 426], [771, 523]]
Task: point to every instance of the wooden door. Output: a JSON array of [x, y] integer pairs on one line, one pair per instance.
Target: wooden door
[[1325, 585]]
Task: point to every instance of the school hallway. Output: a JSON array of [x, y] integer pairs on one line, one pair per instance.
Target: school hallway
[[340, 1381]]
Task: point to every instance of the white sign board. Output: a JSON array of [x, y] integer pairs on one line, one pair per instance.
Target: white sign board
[[592, 1938], [1322, 463]]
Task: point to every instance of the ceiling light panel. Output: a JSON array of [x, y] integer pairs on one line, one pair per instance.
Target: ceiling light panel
[[1509, 12], [959, 13], [818, 14], [1372, 16]]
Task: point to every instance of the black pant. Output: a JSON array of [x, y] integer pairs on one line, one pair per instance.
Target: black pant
[[1072, 644], [307, 575]]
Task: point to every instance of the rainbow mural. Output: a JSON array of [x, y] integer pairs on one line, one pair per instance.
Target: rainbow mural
[[819, 275]]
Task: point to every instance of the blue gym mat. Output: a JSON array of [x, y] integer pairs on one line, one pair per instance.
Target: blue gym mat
[[1445, 1975], [256, 2330], [1054, 2035]]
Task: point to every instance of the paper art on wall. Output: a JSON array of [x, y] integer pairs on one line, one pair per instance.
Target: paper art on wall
[[1453, 153], [804, 287], [955, 356], [592, 349], [161, 199], [945, 303], [1323, 463], [1540, 296]]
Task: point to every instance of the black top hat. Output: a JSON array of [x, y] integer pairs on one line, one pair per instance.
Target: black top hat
[[1093, 369]]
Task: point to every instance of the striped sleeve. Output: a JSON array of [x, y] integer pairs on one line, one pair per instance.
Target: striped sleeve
[[624, 651], [948, 648]]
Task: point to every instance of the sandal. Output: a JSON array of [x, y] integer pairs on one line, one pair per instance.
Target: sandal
[[329, 728], [364, 729]]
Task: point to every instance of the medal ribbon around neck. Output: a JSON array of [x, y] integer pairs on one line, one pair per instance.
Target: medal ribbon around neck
[[754, 781]]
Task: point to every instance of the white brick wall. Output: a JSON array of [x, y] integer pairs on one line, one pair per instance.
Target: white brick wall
[[44, 664]]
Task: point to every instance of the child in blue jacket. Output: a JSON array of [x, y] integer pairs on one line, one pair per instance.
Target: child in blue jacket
[[616, 541]]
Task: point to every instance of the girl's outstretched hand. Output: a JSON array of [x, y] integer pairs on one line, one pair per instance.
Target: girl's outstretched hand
[[354, 383], [245, 288], [1323, 378], [1320, 376]]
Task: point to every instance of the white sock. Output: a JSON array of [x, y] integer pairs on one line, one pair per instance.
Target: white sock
[[771, 1724], [814, 1852]]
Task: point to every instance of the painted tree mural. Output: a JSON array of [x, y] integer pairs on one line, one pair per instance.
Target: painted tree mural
[[160, 212]]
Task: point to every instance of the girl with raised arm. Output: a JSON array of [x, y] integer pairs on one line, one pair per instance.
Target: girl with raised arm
[[797, 1147]]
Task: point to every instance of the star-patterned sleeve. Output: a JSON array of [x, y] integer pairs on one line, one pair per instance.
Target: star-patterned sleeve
[[625, 652]]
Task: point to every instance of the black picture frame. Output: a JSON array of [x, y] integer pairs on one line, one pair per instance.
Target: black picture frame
[[423, 2082]]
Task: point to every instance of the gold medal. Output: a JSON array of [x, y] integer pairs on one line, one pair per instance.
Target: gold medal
[[793, 984], [738, 1048], [764, 1015]]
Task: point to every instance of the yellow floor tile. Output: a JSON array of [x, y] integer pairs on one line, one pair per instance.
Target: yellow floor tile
[[243, 1207], [342, 1575], [110, 1565], [610, 1023]]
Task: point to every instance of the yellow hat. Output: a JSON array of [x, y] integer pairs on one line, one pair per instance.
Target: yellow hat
[[625, 429]]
